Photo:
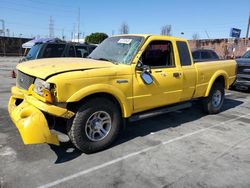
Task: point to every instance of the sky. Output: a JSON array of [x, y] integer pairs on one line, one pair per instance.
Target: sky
[[209, 19]]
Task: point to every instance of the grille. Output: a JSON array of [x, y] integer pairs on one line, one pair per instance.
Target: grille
[[241, 69], [24, 81]]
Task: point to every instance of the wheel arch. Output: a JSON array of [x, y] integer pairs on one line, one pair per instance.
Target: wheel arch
[[221, 77], [105, 91]]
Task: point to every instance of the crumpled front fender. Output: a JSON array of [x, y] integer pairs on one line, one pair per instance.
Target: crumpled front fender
[[31, 123]]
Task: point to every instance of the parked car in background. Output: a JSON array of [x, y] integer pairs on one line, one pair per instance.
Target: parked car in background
[[243, 72], [200, 55], [58, 49]]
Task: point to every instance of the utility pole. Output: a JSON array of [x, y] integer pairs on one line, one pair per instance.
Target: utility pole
[[78, 25], [63, 37], [51, 27], [248, 25], [3, 27], [207, 34]]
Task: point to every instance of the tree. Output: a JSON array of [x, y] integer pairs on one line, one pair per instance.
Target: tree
[[124, 28], [166, 30], [196, 38], [96, 38]]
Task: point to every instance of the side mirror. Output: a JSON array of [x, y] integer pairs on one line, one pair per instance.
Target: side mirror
[[141, 67], [146, 77]]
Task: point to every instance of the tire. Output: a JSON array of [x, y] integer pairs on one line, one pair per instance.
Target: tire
[[86, 130], [213, 103]]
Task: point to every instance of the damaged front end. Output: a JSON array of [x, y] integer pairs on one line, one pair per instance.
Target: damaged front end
[[27, 113]]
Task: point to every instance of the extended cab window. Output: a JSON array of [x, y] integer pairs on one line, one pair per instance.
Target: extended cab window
[[158, 54], [184, 53]]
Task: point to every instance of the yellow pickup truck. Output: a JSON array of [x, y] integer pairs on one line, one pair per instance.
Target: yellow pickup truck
[[127, 77]]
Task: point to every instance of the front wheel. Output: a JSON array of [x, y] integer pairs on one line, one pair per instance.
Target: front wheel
[[213, 103], [95, 125]]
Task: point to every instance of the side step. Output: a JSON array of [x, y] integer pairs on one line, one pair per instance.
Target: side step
[[159, 111]]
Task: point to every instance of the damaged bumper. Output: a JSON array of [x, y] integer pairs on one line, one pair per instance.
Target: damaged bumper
[[27, 114]]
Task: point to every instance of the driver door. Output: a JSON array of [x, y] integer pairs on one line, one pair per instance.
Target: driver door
[[166, 88]]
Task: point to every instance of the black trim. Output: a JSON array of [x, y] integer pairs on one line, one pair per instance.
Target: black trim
[[70, 71]]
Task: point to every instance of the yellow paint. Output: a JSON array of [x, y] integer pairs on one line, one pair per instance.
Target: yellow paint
[[79, 78], [31, 123]]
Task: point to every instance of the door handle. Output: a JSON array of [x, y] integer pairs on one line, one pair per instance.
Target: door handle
[[177, 74], [157, 71]]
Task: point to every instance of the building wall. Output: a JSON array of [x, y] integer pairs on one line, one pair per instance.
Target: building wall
[[12, 46], [225, 48]]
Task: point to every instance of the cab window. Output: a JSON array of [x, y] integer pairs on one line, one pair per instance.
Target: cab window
[[54, 50], [158, 54], [185, 58]]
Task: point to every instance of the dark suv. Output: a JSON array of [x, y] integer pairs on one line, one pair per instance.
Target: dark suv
[[243, 72], [58, 49], [200, 55]]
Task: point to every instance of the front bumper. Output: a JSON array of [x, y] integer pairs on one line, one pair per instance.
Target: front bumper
[[242, 80], [30, 120]]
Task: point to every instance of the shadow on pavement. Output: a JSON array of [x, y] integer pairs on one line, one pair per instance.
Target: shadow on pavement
[[66, 151]]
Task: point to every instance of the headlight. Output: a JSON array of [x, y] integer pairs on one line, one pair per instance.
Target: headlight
[[43, 89], [40, 85]]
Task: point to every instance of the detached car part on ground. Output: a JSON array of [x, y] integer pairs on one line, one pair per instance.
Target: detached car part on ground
[[128, 77], [243, 73]]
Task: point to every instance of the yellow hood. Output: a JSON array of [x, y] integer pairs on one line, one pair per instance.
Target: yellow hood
[[42, 68]]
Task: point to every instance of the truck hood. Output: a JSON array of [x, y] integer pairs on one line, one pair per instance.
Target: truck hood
[[44, 68], [243, 61]]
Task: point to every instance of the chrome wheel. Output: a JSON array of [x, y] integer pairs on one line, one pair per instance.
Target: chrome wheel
[[216, 99], [98, 126]]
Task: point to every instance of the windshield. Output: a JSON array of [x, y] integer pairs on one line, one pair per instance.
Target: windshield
[[119, 49], [33, 52], [247, 54]]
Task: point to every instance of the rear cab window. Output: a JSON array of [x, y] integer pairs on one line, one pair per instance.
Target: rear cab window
[[184, 53]]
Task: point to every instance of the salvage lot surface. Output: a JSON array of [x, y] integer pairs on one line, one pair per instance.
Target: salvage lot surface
[[181, 149]]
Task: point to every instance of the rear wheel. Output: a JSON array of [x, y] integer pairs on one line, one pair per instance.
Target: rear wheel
[[213, 103], [96, 125]]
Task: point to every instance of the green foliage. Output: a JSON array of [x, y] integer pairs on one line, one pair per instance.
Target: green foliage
[[96, 38]]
